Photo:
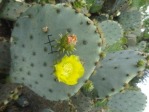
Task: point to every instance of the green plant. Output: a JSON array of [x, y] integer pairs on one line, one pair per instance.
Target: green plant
[[116, 70], [39, 53], [130, 101], [101, 47]]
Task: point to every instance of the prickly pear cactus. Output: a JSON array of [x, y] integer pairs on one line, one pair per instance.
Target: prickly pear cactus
[[101, 17], [0, 1], [4, 57], [96, 5], [140, 46], [116, 70], [12, 9], [1, 4], [131, 21], [33, 55], [112, 31], [120, 5], [129, 101]]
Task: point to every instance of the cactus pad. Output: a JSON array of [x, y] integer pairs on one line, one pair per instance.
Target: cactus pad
[[96, 5], [130, 101], [116, 70], [4, 57], [131, 21], [12, 9], [1, 3], [112, 31], [120, 5], [33, 53]]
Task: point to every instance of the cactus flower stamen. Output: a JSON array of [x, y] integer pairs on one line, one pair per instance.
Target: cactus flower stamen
[[72, 39]]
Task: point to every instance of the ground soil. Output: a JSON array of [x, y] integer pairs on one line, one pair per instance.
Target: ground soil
[[36, 103]]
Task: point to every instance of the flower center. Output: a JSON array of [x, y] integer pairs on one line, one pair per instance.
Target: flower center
[[67, 69], [72, 39]]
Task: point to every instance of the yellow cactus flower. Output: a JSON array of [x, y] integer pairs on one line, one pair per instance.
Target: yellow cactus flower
[[69, 70]]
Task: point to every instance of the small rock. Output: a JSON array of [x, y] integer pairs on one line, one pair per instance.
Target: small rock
[[47, 110], [22, 101]]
